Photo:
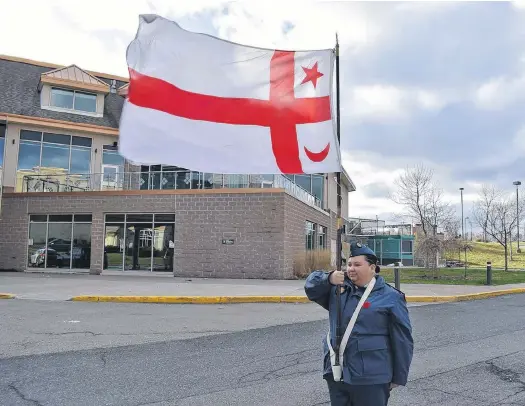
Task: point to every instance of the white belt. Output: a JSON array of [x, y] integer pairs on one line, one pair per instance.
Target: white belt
[[337, 370]]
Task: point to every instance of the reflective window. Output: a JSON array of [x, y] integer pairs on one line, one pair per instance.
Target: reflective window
[[29, 155], [111, 156], [80, 160], [61, 152], [318, 187], [310, 235], [62, 98], [55, 156], [56, 241], [305, 181], [85, 102], [73, 100], [139, 241], [2, 145], [322, 237]]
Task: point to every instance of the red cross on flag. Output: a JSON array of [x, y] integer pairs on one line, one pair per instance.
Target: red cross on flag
[[209, 105]]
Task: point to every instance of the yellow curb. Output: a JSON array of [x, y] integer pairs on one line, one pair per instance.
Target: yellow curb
[[193, 299], [6, 296], [461, 298], [276, 299]]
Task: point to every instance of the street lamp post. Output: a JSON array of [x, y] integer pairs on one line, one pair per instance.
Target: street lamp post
[[463, 230], [462, 221], [470, 223], [517, 184]]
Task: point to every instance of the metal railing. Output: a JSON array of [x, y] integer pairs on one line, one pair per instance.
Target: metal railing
[[166, 180]]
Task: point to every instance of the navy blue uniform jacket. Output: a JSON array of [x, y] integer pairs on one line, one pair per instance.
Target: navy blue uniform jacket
[[381, 346]]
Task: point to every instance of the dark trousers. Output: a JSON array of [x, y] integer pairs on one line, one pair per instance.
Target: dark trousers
[[342, 394]]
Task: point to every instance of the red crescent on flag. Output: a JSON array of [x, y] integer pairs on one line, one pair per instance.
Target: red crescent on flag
[[317, 156]]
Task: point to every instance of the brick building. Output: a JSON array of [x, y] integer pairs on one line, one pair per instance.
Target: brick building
[[71, 202]]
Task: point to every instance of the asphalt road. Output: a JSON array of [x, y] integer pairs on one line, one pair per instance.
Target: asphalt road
[[64, 353]]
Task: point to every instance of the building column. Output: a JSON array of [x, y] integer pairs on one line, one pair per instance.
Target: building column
[[97, 244]]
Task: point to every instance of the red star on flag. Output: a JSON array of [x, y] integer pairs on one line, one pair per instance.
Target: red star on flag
[[312, 74]]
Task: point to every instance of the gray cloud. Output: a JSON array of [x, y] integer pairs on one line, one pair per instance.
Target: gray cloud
[[376, 189]]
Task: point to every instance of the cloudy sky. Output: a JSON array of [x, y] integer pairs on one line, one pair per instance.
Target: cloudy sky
[[436, 83]]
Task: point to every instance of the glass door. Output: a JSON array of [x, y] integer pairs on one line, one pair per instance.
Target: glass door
[[110, 177]]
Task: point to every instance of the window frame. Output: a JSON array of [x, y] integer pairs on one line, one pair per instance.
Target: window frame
[[74, 109], [41, 143]]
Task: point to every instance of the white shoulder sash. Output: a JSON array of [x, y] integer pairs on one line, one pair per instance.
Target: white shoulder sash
[[338, 370]]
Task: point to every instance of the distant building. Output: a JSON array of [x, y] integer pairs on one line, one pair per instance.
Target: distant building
[[70, 201]]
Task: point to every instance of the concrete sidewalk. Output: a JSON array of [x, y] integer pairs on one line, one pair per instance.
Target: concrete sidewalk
[[150, 287]]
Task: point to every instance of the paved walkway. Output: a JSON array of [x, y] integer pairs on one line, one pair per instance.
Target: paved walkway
[[52, 286]]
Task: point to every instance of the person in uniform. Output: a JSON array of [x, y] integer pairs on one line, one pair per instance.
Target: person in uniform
[[379, 347]]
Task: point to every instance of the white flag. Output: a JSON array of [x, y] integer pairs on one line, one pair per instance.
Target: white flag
[[209, 105]]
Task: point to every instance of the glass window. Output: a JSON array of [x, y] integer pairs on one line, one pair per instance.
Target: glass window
[[407, 247], [30, 135], [85, 102], [112, 158], [80, 160], [114, 245], [81, 141], [310, 235], [28, 155], [81, 251], [57, 218], [139, 218], [115, 218], [59, 244], [73, 100], [62, 98], [55, 156], [57, 138], [83, 218], [54, 151], [318, 186], [322, 237], [36, 250], [304, 181], [2, 146], [164, 218]]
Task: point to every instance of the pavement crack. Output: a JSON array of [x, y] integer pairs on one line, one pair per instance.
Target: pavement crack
[[69, 333], [103, 358], [290, 361], [507, 375], [21, 395], [464, 366]]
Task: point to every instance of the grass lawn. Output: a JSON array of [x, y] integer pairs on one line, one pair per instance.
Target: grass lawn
[[490, 251], [453, 276], [476, 268]]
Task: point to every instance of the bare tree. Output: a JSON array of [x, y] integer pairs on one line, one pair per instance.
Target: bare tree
[[423, 201], [496, 212], [488, 197]]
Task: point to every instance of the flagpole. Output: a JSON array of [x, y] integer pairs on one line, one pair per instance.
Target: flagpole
[[338, 246]]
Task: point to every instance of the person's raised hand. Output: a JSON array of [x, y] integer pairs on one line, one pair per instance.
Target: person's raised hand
[[337, 278]]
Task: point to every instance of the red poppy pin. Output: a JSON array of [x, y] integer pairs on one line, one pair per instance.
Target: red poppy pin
[[366, 305]]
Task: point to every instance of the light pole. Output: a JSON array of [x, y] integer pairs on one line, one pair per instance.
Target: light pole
[[463, 230], [517, 184], [470, 223], [462, 221]]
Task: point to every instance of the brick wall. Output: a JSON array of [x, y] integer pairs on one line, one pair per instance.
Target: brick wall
[[296, 213], [255, 219]]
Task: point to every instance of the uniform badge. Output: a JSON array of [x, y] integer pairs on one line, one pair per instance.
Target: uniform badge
[[358, 245]]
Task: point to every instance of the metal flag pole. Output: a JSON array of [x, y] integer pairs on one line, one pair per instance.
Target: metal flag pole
[[3, 169], [338, 246]]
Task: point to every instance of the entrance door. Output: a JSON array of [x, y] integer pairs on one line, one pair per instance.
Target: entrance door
[[110, 177]]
